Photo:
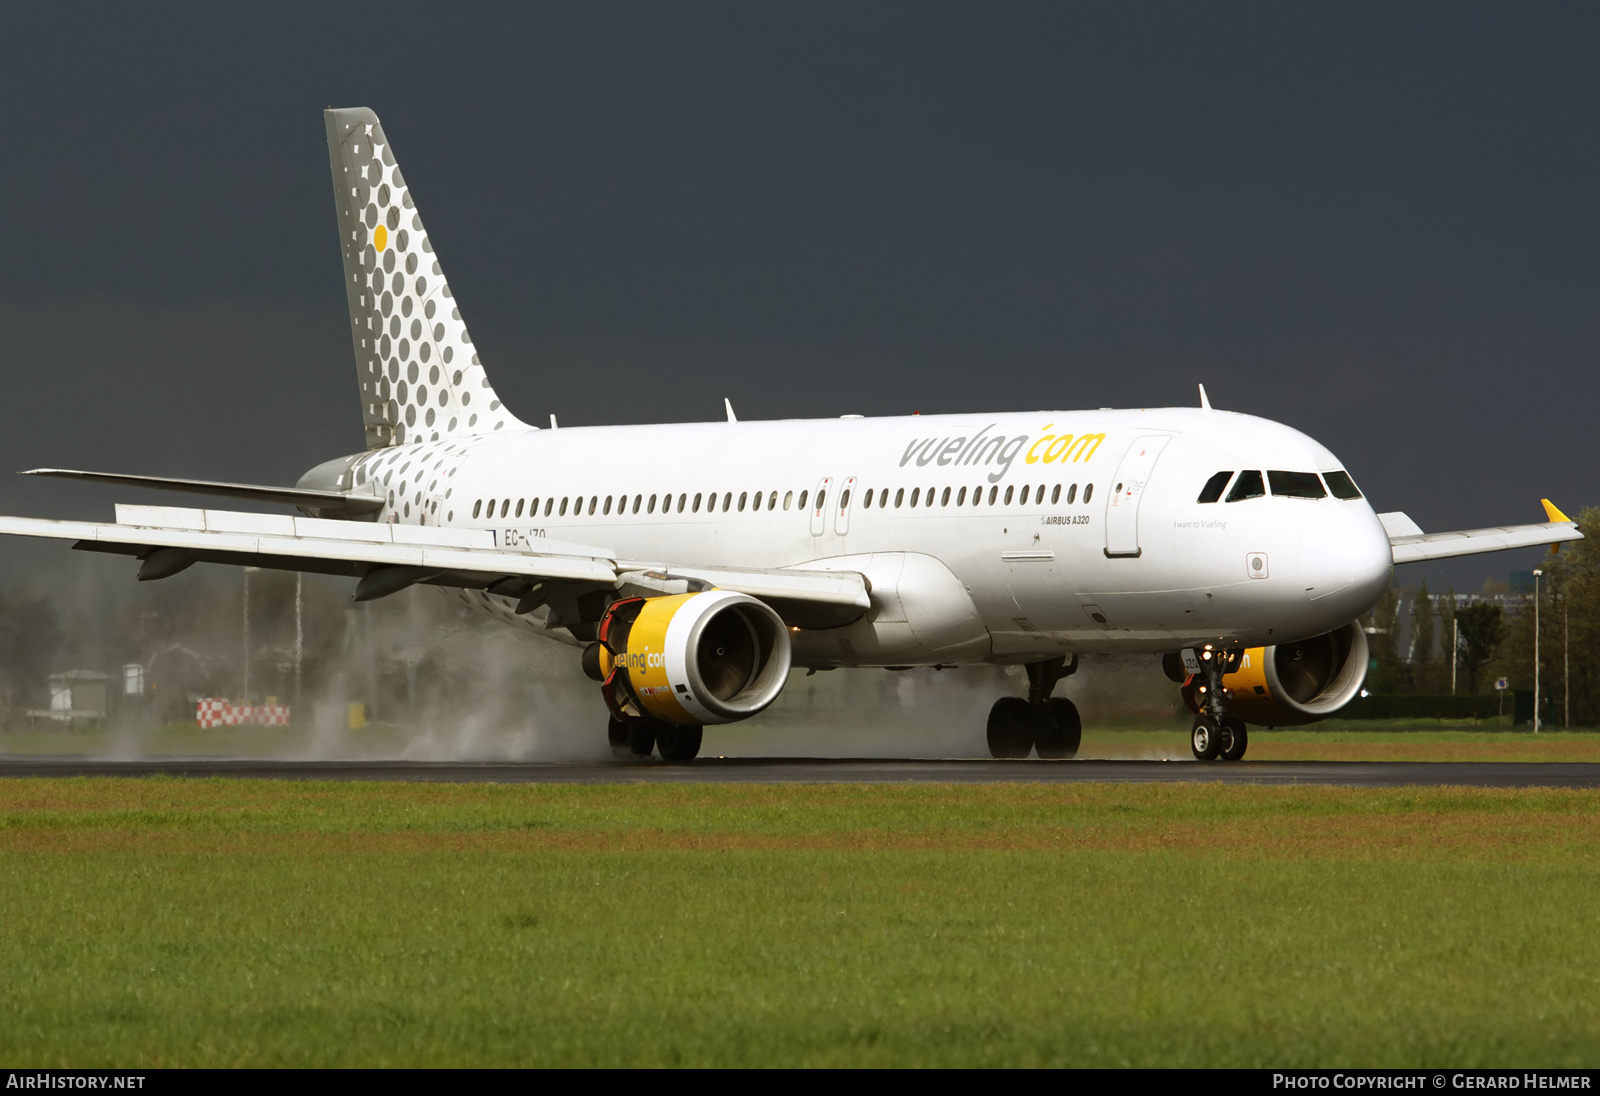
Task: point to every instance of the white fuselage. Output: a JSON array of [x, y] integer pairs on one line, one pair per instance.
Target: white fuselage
[[1110, 550]]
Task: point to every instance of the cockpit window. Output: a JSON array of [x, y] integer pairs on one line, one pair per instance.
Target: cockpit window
[[1247, 486], [1342, 486], [1212, 491], [1296, 485]]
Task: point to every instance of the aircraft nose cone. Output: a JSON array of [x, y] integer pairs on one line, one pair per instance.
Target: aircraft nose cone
[[1345, 563]]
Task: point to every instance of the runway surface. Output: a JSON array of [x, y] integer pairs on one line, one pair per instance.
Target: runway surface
[[845, 770]]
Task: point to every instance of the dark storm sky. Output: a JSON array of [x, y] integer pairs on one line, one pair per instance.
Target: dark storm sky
[[1377, 223]]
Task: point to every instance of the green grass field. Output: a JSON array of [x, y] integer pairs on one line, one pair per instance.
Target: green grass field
[[221, 922]]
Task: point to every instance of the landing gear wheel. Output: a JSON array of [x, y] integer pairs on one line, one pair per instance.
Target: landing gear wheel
[[1205, 739], [1234, 738], [631, 739], [1011, 728], [678, 742], [1060, 730]]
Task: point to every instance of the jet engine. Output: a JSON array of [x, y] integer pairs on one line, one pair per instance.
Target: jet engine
[[1292, 683], [712, 656]]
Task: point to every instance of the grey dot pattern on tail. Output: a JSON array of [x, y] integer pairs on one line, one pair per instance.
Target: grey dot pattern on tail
[[420, 376]]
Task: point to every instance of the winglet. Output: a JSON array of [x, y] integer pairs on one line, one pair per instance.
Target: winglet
[[726, 402], [1204, 401], [1552, 512]]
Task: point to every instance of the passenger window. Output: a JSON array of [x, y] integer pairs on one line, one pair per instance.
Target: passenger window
[[1055, 495], [1008, 496], [1072, 494], [977, 494], [993, 494], [1296, 485], [594, 500], [743, 495], [1247, 486], [607, 508], [1024, 499], [899, 497], [1088, 490], [788, 496], [1212, 491], [548, 505], [928, 501], [844, 500], [638, 501], [883, 499], [563, 507], [697, 499], [1342, 486], [533, 511], [866, 500], [651, 508], [505, 507], [519, 507], [801, 505], [477, 506], [772, 501], [683, 500], [916, 492], [961, 497], [944, 499], [822, 501]]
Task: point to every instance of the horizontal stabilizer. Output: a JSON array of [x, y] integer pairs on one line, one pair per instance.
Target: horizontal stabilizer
[[285, 496]]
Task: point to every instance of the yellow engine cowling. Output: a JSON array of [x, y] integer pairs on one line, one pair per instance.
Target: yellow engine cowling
[[1292, 683], [709, 657]]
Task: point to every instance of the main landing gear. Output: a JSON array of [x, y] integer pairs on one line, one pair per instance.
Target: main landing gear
[[1215, 734], [1048, 724], [636, 739]]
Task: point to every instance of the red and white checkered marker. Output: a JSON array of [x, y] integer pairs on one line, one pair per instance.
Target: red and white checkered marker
[[216, 711]]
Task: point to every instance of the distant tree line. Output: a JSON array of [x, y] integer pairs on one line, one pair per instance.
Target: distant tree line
[[1494, 637]]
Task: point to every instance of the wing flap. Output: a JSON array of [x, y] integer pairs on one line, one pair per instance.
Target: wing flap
[[323, 554]]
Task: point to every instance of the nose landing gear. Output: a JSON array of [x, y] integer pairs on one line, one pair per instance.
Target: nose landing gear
[[1049, 724], [1215, 734]]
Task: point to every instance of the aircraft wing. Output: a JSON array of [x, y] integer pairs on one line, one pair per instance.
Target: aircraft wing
[[388, 558], [1411, 545]]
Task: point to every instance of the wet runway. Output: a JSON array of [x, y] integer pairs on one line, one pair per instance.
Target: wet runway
[[845, 770]]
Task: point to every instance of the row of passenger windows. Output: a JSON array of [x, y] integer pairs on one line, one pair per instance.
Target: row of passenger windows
[[1294, 485], [605, 504], [997, 497]]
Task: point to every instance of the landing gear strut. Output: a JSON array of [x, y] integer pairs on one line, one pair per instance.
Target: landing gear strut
[[1047, 723], [1215, 734]]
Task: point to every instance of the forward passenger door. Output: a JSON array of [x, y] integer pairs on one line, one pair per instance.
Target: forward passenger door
[[1127, 490]]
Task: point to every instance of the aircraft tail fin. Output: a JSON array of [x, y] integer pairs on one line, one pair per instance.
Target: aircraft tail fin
[[419, 372]]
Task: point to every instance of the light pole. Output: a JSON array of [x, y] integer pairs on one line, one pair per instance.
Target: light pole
[[1536, 575], [299, 634], [246, 697], [1455, 651]]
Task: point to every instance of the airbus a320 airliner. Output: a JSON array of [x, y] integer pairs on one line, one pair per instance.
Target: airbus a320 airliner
[[693, 565]]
